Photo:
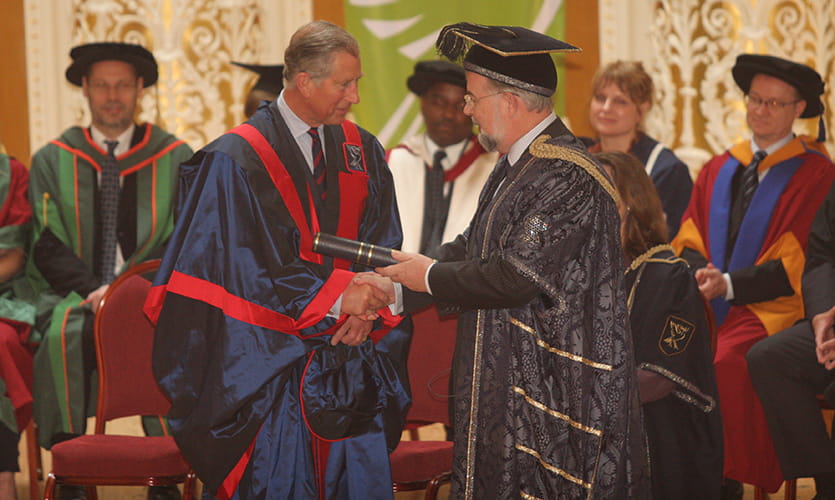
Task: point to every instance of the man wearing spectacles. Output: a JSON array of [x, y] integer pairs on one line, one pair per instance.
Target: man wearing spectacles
[[745, 233], [546, 401], [438, 174], [103, 200]]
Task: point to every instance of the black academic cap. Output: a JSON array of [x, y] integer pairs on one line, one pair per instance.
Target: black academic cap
[[512, 55], [806, 80], [83, 56], [428, 73], [270, 76]]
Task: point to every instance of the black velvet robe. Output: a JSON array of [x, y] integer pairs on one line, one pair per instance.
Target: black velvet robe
[[671, 335], [546, 401]]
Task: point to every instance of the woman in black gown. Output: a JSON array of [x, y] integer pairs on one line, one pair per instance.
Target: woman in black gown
[[672, 341]]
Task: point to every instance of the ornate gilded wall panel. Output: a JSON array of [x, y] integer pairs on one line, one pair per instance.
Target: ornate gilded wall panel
[[690, 48], [198, 95]]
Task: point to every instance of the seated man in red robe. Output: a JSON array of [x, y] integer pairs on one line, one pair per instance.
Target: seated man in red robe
[[16, 317], [745, 233]]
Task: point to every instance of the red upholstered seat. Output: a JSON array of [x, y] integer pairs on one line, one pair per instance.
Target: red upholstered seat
[[124, 343], [111, 455], [419, 460]]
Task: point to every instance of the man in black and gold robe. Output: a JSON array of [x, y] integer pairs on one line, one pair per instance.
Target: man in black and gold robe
[[546, 404]]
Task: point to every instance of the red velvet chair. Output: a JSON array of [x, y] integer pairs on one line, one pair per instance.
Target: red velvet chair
[[124, 340], [415, 464]]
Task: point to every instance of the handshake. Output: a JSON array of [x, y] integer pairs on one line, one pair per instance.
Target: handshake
[[371, 291], [361, 299], [366, 294]]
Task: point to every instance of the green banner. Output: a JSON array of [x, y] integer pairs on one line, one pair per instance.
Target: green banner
[[395, 34]]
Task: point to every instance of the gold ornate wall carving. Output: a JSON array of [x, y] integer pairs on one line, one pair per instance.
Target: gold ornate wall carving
[[690, 47], [198, 95]]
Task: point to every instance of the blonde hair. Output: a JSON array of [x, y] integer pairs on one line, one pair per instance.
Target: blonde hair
[[630, 77]]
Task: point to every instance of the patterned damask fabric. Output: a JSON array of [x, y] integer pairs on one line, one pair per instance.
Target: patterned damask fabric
[[546, 398]]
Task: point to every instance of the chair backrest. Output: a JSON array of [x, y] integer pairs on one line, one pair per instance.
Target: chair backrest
[[124, 342], [430, 359]]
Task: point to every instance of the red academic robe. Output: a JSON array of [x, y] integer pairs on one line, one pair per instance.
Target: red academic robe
[[776, 226]]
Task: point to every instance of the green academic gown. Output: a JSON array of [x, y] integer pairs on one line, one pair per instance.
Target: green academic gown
[[64, 269]]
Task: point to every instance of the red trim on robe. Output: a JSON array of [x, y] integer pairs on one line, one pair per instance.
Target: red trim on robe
[[244, 310], [233, 479], [284, 183], [465, 161], [353, 191]]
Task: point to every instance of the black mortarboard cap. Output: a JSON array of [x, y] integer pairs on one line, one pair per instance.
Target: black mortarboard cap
[[270, 76], [428, 73], [83, 56], [806, 80], [513, 55]]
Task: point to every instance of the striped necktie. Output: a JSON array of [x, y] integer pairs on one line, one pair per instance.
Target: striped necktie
[[750, 180], [318, 162], [109, 197], [434, 206]]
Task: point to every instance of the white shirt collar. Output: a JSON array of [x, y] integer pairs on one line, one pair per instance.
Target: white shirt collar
[[124, 139], [453, 151], [298, 127], [774, 147], [521, 145]]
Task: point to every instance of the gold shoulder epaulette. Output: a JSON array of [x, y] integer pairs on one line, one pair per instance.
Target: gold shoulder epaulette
[[541, 149], [649, 256]]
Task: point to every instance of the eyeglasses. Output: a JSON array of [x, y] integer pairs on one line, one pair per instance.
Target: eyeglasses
[[770, 104], [120, 87], [471, 100]]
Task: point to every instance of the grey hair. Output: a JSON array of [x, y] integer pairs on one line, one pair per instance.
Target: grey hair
[[533, 102], [312, 49]]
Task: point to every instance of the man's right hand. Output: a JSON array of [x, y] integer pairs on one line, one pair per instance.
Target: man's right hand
[[363, 297], [94, 297], [711, 282], [822, 324]]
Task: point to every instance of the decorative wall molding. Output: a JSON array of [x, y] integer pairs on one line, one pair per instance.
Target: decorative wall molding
[[198, 96], [690, 46]]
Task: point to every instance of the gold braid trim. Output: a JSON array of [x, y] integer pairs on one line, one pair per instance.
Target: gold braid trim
[[528, 496], [556, 414], [648, 257], [559, 352], [551, 468], [540, 149]]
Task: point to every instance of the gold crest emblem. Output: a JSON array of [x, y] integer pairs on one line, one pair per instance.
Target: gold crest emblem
[[675, 336]]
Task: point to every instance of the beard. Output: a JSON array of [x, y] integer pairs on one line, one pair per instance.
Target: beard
[[487, 141]]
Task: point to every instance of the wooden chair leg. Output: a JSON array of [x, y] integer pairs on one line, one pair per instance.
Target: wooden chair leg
[[189, 486], [91, 493], [790, 489], [33, 458], [435, 485], [760, 493], [49, 488]]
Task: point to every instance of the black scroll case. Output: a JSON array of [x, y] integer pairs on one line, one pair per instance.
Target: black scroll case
[[358, 252]]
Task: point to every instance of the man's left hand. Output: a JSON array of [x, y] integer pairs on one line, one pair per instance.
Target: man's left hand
[[410, 272], [353, 332]]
